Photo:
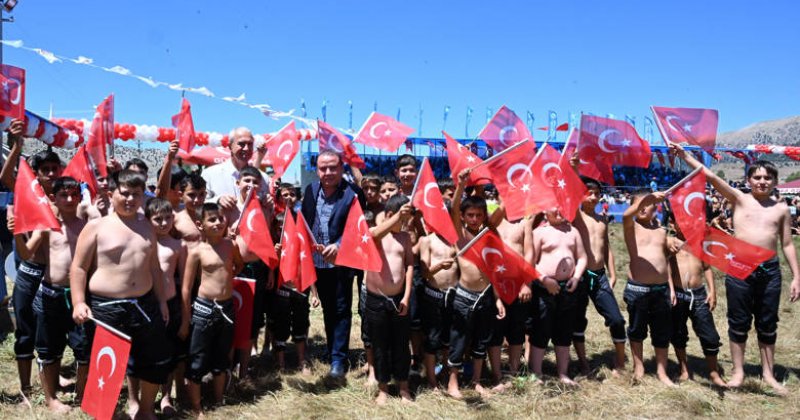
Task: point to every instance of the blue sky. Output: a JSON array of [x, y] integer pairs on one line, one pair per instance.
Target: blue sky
[[740, 57]]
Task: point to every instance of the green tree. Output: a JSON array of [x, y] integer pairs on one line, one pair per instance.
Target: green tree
[[721, 174]]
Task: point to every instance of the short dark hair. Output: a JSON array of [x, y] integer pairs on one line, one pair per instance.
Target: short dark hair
[[250, 171], [405, 160], [65, 183], [591, 182], [41, 157], [208, 208], [445, 184], [372, 178], [473, 202], [394, 203], [195, 180], [767, 165], [127, 178], [390, 179], [157, 206], [137, 163], [175, 177]]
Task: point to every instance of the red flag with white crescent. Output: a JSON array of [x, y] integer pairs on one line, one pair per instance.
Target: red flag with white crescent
[[505, 129], [282, 148], [613, 141], [358, 249], [588, 163], [505, 269], [80, 168], [428, 200], [107, 368], [728, 254], [383, 132], [460, 157], [697, 126], [101, 135], [12, 95], [182, 121], [563, 182], [32, 209], [256, 234], [289, 261], [688, 204], [307, 271], [331, 138], [244, 291]]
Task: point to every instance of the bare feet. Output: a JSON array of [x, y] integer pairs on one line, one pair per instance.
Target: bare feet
[[617, 372], [664, 378], [25, 402], [566, 380], [684, 376], [57, 407], [717, 379], [382, 398], [776, 386], [405, 396], [638, 372], [167, 409], [500, 387], [65, 382], [305, 369], [454, 392], [736, 380], [485, 393]]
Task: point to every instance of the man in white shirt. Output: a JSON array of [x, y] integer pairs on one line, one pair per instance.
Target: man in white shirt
[[221, 178]]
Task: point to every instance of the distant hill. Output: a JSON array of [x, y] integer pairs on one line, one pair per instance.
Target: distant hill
[[784, 132]]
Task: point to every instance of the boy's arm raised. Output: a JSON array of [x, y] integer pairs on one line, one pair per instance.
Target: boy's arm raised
[[14, 135], [85, 250], [165, 177], [732, 194], [379, 231], [456, 206]]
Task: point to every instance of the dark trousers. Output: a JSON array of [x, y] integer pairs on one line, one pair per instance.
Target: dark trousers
[[390, 333], [756, 297], [595, 286], [692, 305], [29, 276], [335, 290]]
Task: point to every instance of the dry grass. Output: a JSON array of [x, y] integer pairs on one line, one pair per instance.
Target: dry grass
[[599, 396]]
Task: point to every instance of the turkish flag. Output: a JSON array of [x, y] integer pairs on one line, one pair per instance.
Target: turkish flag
[[428, 200], [255, 232], [563, 127], [12, 96], [31, 207], [100, 135], [460, 157], [505, 269], [358, 249], [614, 141], [282, 148], [383, 132], [80, 168], [331, 138], [697, 126], [561, 179], [182, 121], [244, 292], [588, 163], [505, 129], [289, 262], [523, 190], [688, 203], [740, 155], [106, 371], [733, 256], [307, 271], [205, 156]]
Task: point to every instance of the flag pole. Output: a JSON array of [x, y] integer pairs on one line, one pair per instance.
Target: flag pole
[[416, 181], [660, 127], [110, 328], [496, 156], [472, 242], [678, 184], [246, 203]]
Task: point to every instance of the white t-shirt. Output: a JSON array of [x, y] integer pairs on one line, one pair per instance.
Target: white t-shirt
[[221, 180]]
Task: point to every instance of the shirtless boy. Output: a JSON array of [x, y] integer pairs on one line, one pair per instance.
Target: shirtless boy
[[440, 270], [598, 280], [193, 194], [388, 295], [54, 325], [649, 293], [216, 259], [518, 235], [695, 301], [473, 308], [171, 259], [760, 220], [560, 259], [124, 291]]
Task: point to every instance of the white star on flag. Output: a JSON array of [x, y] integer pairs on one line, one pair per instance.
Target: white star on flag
[[500, 269], [302, 255], [626, 143], [470, 159], [100, 383], [729, 256], [365, 238], [687, 127], [526, 188], [561, 184], [43, 200]]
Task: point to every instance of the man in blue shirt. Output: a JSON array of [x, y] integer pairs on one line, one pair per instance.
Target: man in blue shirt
[[326, 204]]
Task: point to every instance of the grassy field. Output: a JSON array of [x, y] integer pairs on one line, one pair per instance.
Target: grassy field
[[295, 396]]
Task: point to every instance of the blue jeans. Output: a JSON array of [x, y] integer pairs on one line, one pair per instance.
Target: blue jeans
[[335, 290], [758, 296]]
